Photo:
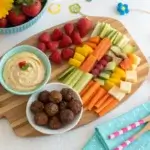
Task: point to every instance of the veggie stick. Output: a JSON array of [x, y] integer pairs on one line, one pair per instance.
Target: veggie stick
[[108, 101], [86, 88], [102, 100], [88, 63], [87, 96], [101, 92], [92, 45], [102, 48], [109, 107], [95, 39]]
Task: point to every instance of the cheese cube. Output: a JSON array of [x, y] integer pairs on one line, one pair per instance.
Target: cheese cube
[[137, 60], [125, 86], [131, 76], [117, 93]]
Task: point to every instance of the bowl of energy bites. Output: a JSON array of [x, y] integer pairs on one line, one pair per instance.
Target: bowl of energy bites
[[55, 109]]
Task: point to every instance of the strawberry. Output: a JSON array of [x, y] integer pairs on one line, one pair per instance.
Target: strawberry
[[67, 53], [65, 42], [76, 38], [44, 37], [52, 46], [41, 46], [56, 57], [84, 25], [16, 17], [56, 35], [69, 27], [33, 9], [3, 23]]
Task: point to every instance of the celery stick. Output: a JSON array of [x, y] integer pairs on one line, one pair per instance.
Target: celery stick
[[66, 73], [85, 78], [68, 76], [72, 77], [76, 79]]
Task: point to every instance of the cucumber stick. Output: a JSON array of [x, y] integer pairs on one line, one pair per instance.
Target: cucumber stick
[[96, 30], [117, 38], [77, 78], [105, 30], [82, 82], [123, 42], [66, 73]]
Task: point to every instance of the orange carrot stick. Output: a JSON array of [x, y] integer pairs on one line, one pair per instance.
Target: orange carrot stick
[[88, 63], [102, 48], [95, 39], [92, 45], [109, 107], [107, 102], [86, 88], [101, 92], [101, 101], [91, 91], [126, 64]]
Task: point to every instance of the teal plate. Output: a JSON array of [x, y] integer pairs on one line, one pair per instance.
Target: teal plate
[[19, 49], [24, 26]]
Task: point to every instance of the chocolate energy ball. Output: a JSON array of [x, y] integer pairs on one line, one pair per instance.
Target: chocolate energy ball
[[63, 105], [75, 106], [68, 94], [41, 118], [44, 97], [55, 97], [66, 116], [37, 106], [51, 109], [54, 123]]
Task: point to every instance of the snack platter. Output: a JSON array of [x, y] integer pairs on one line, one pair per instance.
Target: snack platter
[[12, 107]]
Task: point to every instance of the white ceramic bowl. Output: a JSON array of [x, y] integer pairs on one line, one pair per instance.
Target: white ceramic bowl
[[45, 130]]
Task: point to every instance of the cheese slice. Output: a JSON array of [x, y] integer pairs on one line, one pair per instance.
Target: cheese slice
[[126, 86], [131, 76], [117, 93]]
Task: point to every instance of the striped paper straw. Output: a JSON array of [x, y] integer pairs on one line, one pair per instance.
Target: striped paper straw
[[126, 129]]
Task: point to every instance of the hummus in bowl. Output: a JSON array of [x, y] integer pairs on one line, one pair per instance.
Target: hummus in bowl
[[24, 70]]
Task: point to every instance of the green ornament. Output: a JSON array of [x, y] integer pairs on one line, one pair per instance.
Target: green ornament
[[75, 8]]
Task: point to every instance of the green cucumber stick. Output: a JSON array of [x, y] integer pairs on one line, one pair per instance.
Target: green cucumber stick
[[72, 77], [76, 79], [68, 76], [85, 78], [66, 73]]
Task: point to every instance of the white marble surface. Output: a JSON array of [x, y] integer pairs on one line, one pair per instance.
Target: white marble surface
[[138, 25]]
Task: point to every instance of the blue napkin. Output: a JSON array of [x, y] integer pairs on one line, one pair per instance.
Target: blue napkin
[[100, 141]]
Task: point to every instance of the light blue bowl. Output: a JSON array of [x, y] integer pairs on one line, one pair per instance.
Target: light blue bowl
[[24, 26], [19, 49]]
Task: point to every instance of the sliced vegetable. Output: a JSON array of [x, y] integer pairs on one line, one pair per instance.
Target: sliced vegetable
[[111, 66], [102, 48], [82, 51], [92, 45], [129, 49], [88, 95], [87, 48], [88, 63], [79, 57], [126, 64], [96, 30], [82, 82], [118, 38], [95, 39], [123, 42], [105, 30], [74, 62], [116, 81], [101, 81], [108, 85]]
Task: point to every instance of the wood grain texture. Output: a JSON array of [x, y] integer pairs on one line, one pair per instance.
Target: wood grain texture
[[13, 107]]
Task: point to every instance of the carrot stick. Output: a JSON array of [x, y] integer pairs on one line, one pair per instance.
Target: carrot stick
[[86, 88], [102, 48], [126, 64], [101, 101], [90, 92], [88, 63], [109, 107], [92, 45], [101, 92], [108, 101], [95, 39]]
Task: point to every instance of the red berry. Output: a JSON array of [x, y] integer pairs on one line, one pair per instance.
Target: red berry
[[69, 27], [100, 67], [103, 62], [76, 39], [107, 58], [3, 23], [41, 46], [56, 57], [44, 37], [56, 35], [67, 53], [65, 42], [95, 72], [52, 46]]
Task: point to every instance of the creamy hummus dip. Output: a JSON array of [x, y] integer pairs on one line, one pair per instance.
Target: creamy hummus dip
[[27, 79]]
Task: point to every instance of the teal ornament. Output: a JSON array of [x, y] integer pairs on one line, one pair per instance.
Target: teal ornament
[[122, 8]]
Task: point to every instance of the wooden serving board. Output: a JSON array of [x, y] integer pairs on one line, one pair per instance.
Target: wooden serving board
[[13, 107]]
